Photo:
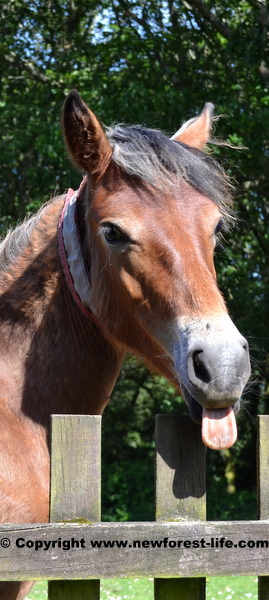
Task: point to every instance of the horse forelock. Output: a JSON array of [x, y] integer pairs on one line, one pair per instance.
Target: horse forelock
[[151, 156]]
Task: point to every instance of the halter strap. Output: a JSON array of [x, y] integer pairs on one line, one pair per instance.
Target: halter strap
[[70, 251]]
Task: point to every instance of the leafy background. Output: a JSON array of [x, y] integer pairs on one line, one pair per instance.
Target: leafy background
[[153, 62]]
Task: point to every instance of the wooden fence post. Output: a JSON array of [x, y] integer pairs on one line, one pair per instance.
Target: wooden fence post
[[263, 488], [180, 491], [75, 487]]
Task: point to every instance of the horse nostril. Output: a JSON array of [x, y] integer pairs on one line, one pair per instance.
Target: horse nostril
[[200, 369]]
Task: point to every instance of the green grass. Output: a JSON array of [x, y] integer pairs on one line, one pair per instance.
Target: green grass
[[218, 588]]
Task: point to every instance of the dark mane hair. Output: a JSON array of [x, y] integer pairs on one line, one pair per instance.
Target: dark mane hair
[[152, 156]]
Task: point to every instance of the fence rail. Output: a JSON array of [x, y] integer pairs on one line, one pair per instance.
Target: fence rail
[[179, 549]]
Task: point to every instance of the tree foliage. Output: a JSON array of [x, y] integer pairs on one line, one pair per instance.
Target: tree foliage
[[155, 62]]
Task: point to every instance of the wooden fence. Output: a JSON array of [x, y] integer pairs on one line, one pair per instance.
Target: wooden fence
[[178, 550]]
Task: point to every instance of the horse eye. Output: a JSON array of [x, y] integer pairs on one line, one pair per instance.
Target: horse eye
[[219, 227], [113, 234]]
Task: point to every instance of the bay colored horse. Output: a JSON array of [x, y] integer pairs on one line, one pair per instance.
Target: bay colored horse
[[125, 263]]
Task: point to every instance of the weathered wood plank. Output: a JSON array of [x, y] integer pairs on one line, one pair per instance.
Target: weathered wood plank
[[180, 491], [180, 469], [75, 486], [263, 488], [75, 468], [263, 588], [263, 466], [64, 590], [180, 589], [186, 549]]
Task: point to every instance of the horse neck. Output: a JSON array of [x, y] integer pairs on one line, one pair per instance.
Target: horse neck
[[71, 370], [64, 363]]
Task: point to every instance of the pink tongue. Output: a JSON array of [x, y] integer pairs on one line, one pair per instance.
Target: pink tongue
[[219, 429]]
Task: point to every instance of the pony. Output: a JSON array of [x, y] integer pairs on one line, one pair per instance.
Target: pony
[[123, 264]]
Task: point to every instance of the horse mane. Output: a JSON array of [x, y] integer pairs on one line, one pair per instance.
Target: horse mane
[[15, 241], [150, 155], [20, 241]]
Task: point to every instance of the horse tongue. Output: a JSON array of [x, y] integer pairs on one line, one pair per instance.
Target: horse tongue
[[219, 429]]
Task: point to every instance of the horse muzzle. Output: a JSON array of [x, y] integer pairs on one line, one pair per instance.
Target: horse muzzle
[[213, 367]]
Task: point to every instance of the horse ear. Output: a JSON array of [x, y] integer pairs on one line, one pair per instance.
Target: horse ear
[[196, 132], [84, 136]]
